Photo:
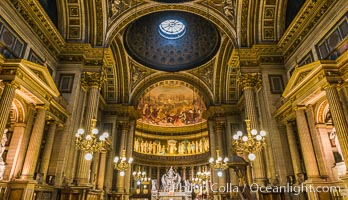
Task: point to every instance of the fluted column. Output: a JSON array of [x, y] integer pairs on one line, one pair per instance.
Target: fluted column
[[83, 166], [101, 173], [339, 119], [34, 144], [317, 143], [94, 169], [120, 184], [46, 156], [219, 125], [249, 82], [25, 142], [6, 102], [306, 144], [295, 155], [14, 150]]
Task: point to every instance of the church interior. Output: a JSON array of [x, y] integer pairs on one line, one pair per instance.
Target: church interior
[[173, 99]]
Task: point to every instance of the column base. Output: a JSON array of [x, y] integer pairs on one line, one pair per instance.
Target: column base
[[20, 189]]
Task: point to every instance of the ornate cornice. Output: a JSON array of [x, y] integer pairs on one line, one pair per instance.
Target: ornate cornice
[[32, 12], [308, 17]]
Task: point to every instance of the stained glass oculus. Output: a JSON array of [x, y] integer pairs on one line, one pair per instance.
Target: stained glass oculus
[[172, 29]]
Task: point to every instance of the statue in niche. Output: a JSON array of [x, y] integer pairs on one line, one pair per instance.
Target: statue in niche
[[193, 147], [181, 148], [197, 147], [2, 150], [146, 147], [206, 145], [189, 148], [159, 147], [150, 147], [142, 146], [200, 144], [154, 148], [136, 145], [172, 146], [3, 144]]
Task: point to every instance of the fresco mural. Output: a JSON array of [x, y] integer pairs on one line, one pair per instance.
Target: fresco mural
[[171, 105]]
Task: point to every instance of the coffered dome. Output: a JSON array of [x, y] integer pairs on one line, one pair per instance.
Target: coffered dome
[[172, 40]]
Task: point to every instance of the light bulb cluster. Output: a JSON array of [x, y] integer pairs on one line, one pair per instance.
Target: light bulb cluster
[[219, 164], [141, 177], [251, 143], [121, 164], [201, 177], [89, 142]]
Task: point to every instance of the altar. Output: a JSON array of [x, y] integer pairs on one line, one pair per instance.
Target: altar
[[171, 187]]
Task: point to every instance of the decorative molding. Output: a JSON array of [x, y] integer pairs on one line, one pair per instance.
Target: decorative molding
[[32, 12], [247, 80], [308, 17]]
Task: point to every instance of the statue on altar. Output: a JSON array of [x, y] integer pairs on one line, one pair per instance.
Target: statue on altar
[[171, 180]]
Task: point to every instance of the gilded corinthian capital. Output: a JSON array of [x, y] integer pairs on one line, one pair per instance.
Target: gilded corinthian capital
[[247, 80], [92, 79]]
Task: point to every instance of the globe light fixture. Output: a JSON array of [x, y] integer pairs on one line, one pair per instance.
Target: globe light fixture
[[251, 143], [90, 143], [121, 164], [218, 164]]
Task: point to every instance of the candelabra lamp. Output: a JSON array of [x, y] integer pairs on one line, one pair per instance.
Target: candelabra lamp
[[141, 177], [218, 164], [201, 177], [89, 143], [251, 143], [121, 164]]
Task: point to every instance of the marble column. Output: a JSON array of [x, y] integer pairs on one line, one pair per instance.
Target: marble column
[[94, 169], [295, 155], [46, 156], [6, 102], [101, 173], [184, 173], [14, 150], [219, 125], [339, 119], [25, 142], [249, 82], [306, 144], [158, 176], [120, 184], [317, 143], [33, 151], [83, 166]]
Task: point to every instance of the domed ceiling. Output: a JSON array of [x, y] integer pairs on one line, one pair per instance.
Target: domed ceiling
[[172, 40], [171, 105]]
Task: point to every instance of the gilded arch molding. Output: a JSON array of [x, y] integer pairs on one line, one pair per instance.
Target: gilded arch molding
[[182, 77], [119, 24]]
